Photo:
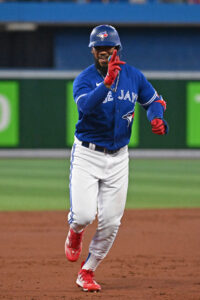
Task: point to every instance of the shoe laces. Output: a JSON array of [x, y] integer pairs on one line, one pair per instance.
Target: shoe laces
[[87, 275], [75, 239]]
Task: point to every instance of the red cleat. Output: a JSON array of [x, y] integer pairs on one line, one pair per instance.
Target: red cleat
[[86, 281], [73, 245]]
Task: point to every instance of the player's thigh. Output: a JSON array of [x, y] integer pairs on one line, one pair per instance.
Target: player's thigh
[[112, 195], [83, 188]]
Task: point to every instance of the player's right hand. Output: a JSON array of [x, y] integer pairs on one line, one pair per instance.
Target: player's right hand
[[113, 69]]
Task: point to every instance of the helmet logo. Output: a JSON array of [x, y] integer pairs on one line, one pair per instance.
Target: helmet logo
[[102, 35]]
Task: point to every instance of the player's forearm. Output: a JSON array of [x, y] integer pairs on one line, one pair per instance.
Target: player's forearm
[[155, 110], [91, 100], [107, 85]]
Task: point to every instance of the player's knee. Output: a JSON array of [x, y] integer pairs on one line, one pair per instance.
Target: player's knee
[[85, 218], [112, 223]]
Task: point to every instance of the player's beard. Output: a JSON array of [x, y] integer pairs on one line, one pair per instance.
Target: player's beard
[[102, 69]]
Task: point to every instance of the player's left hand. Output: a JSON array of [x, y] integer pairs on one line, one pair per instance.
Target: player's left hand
[[159, 126]]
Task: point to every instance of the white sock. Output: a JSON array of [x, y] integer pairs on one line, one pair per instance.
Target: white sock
[[91, 262], [77, 228]]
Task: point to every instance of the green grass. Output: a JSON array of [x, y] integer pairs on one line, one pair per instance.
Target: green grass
[[43, 184], [164, 184]]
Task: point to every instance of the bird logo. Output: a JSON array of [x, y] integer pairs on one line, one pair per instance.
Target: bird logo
[[129, 117], [102, 35]]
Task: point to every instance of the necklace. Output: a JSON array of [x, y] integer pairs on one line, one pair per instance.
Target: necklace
[[116, 84]]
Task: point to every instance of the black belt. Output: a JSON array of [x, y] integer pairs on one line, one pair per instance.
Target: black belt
[[99, 148]]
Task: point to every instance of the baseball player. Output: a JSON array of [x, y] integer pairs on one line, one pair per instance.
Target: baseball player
[[105, 94]]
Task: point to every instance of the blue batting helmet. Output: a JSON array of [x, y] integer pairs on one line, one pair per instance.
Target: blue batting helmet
[[104, 35]]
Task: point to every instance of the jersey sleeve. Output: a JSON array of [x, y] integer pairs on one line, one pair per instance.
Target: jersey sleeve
[[150, 100], [87, 97], [147, 93]]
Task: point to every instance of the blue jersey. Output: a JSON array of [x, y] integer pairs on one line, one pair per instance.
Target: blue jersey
[[106, 115]]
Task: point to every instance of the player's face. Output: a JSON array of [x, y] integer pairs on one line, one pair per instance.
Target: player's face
[[101, 54]]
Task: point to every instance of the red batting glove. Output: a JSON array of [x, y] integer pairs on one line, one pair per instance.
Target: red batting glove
[[158, 126], [113, 69]]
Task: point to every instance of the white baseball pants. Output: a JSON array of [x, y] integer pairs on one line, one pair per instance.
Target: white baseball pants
[[98, 186]]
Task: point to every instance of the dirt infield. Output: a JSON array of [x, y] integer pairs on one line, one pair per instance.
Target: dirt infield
[[156, 256]]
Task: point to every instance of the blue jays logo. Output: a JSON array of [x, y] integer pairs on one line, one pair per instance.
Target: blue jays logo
[[102, 35], [129, 117]]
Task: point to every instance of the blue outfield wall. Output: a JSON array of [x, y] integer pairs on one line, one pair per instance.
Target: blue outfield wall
[[154, 36], [92, 13], [149, 48]]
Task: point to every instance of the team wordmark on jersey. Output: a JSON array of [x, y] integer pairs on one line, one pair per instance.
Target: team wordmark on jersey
[[132, 97], [129, 117], [109, 97]]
